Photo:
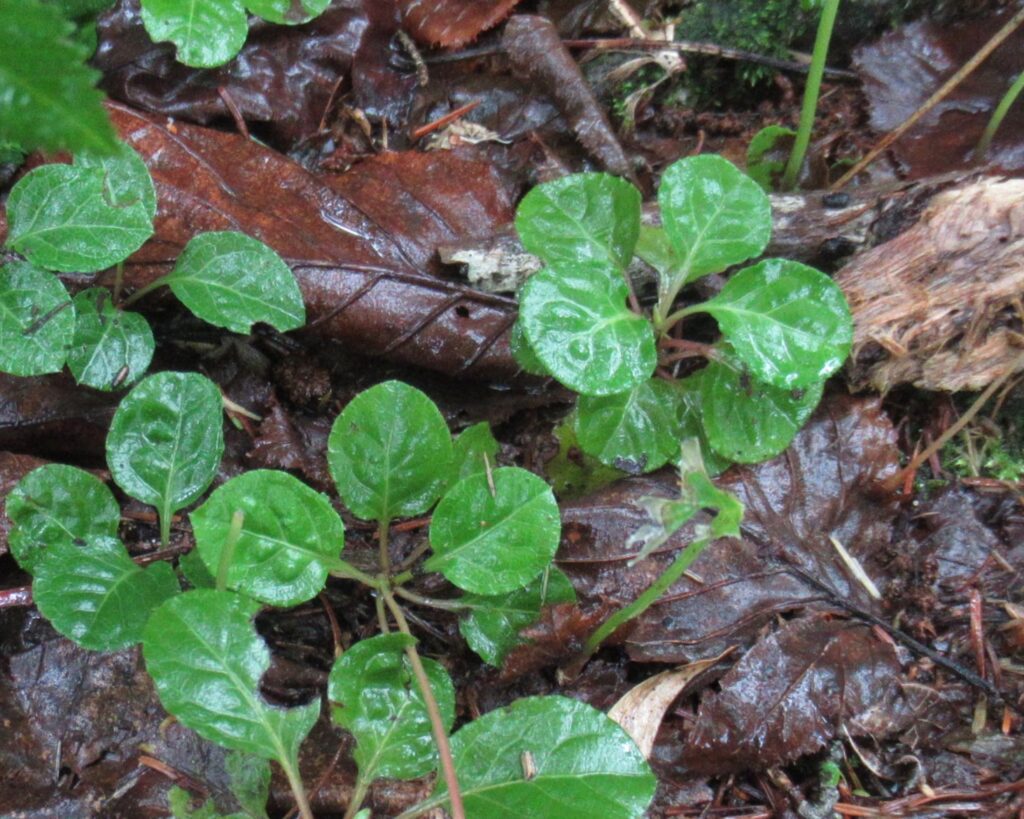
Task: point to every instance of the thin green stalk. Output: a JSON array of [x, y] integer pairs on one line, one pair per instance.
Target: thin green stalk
[[653, 592], [228, 552], [437, 728], [358, 795], [165, 514], [811, 91], [290, 769], [142, 291], [997, 117], [345, 570], [431, 602]]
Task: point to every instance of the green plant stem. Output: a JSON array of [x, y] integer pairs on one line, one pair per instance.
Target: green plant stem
[[383, 533], [228, 552], [997, 117], [667, 324], [358, 795], [290, 769], [165, 514], [811, 91], [649, 597], [143, 291], [444, 750], [344, 569], [430, 602]]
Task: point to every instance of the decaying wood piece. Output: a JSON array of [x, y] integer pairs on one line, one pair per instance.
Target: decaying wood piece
[[940, 305]]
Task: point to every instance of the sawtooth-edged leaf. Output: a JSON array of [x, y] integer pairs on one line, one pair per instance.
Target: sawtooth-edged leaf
[[290, 536], [58, 504], [95, 594], [206, 660], [231, 280], [494, 543], [583, 218], [380, 704], [110, 348], [549, 756], [576, 321], [788, 323], [36, 320], [390, 452]]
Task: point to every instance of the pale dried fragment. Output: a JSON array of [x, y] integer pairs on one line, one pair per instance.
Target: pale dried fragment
[[940, 305]]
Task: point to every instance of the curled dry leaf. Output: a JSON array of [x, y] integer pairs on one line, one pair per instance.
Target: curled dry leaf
[[361, 245], [821, 487], [452, 23], [790, 693], [642, 708]]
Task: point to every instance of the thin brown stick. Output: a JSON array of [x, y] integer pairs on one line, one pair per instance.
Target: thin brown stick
[[436, 723], [965, 71]]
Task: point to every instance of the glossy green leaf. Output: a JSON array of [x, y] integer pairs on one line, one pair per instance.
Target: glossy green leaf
[[166, 440], [747, 420], [206, 660], [789, 323], [492, 544], [576, 320], [58, 504], [523, 353], [83, 217], [110, 348], [380, 704], [714, 215], [690, 425], [550, 757], [473, 449], [654, 247], [767, 154], [96, 595], [207, 33], [633, 431], [48, 94], [290, 537], [493, 624], [390, 452], [36, 320], [232, 280], [179, 801], [287, 12], [583, 218]]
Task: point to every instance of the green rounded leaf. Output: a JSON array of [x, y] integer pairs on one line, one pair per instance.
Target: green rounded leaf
[[195, 572], [473, 449], [633, 431], [287, 12], [232, 280], [492, 544], [36, 320], [789, 323], [207, 33], [493, 624], [96, 595], [549, 756], [767, 154], [206, 660], [713, 213], [83, 217], [390, 452], [166, 440], [58, 504], [380, 704], [290, 536], [581, 218], [111, 348], [747, 420], [576, 320]]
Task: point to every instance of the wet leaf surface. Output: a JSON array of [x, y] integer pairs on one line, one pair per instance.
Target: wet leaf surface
[[452, 23], [790, 693], [821, 487]]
